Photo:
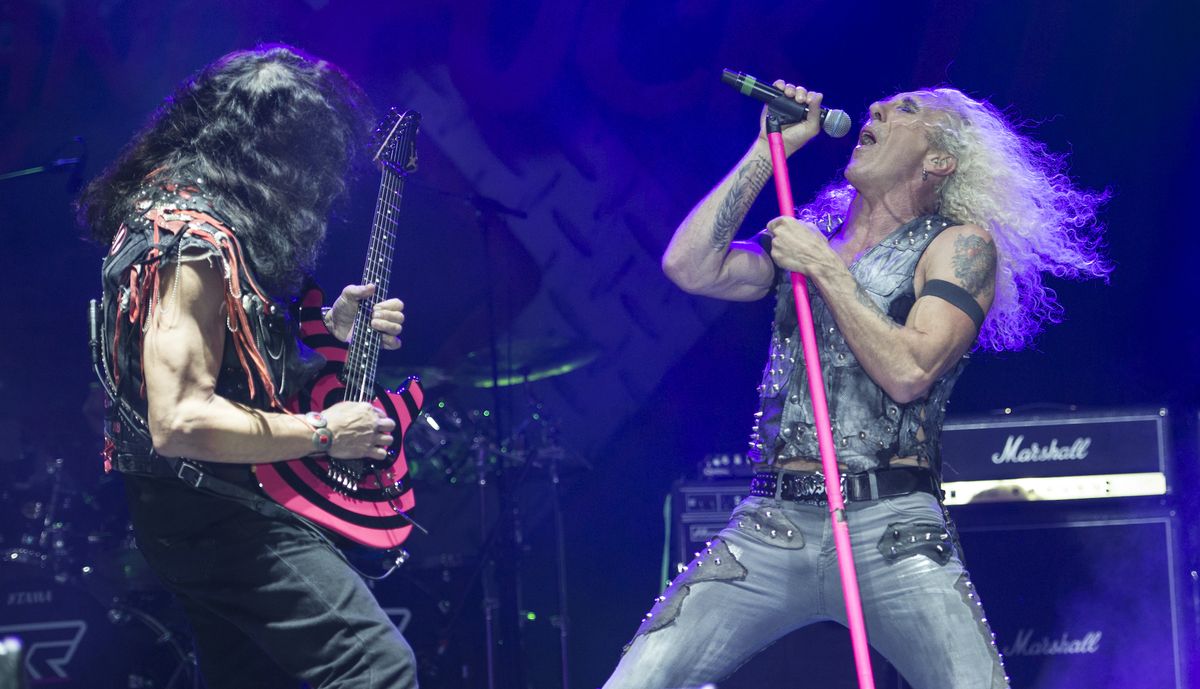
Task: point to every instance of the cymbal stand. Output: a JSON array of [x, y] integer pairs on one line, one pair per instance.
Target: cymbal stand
[[523, 451], [500, 576], [50, 539], [560, 555], [488, 575]]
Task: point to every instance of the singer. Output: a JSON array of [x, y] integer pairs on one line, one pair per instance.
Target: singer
[[934, 245]]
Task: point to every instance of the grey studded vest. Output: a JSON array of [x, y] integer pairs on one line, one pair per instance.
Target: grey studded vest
[[869, 428]]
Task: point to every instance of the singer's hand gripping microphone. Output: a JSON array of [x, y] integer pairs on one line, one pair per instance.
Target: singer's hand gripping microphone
[[835, 123]]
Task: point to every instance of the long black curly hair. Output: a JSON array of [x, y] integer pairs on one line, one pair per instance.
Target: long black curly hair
[[274, 134]]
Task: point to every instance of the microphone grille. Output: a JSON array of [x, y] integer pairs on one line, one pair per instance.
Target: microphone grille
[[836, 123]]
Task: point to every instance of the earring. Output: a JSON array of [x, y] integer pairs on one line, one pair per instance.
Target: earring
[[924, 175]]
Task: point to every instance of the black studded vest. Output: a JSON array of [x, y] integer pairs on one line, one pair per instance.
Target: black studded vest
[[869, 428], [263, 364]]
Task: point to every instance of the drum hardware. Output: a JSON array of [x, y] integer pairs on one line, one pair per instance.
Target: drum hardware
[[531, 449], [12, 661], [448, 433], [501, 462], [76, 640], [75, 591]]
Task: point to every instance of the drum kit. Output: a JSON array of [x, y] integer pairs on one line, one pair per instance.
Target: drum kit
[[487, 455], [75, 592], [88, 612], [460, 417]]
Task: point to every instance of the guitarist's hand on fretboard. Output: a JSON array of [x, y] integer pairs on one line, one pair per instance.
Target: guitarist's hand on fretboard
[[387, 316]]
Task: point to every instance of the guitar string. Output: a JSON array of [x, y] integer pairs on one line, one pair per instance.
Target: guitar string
[[364, 358], [395, 191], [381, 273], [359, 354]]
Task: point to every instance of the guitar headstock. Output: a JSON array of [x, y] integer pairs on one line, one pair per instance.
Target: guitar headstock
[[395, 139]]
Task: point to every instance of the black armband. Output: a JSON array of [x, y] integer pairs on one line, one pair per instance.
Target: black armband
[[957, 296], [763, 239]]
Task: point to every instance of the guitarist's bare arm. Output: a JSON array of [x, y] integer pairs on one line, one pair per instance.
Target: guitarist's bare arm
[[182, 353]]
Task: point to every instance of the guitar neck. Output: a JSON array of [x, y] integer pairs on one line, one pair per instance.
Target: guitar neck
[[363, 355]]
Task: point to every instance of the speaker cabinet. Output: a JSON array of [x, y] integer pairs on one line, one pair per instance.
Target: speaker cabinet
[[1080, 599]]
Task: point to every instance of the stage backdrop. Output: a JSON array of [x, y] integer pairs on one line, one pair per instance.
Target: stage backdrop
[[602, 123]]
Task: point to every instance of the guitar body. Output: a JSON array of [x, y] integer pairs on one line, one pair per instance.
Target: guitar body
[[351, 501]]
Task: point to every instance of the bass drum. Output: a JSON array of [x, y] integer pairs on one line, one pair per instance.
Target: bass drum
[[70, 640]]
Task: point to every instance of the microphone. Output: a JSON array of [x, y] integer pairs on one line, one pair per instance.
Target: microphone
[[835, 123]]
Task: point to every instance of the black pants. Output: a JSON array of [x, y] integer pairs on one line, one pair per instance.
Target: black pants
[[270, 598]]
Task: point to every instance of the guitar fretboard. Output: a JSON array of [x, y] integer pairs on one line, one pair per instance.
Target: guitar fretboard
[[362, 359]]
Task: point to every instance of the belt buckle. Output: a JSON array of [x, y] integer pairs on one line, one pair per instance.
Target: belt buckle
[[810, 488], [190, 474]]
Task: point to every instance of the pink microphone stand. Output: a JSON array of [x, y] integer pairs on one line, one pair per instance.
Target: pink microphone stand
[[829, 463]]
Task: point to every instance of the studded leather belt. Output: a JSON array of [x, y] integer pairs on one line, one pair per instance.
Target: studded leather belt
[[809, 486]]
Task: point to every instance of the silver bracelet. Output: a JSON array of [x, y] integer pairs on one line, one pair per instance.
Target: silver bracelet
[[322, 438]]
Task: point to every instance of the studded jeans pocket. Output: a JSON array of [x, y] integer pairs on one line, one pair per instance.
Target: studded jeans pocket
[[762, 520], [906, 539]]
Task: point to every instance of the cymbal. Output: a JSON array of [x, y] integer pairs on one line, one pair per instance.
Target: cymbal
[[522, 360], [525, 360], [431, 376]]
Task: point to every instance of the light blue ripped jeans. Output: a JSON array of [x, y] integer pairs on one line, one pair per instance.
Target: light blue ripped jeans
[[773, 569]]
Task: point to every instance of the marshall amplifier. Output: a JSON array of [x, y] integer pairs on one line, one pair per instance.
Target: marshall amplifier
[[699, 510], [726, 465], [1058, 456], [1084, 599]]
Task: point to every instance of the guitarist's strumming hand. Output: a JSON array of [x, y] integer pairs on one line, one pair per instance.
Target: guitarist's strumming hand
[[360, 431], [387, 317]]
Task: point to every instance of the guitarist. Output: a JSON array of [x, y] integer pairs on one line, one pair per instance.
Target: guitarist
[[214, 214]]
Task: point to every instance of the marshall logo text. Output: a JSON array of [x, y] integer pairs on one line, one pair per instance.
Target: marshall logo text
[[1026, 645], [1013, 452]]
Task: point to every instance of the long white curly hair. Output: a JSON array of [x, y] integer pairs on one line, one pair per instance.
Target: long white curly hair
[[1019, 191]]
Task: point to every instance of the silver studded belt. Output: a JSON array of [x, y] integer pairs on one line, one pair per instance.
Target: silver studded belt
[[809, 486]]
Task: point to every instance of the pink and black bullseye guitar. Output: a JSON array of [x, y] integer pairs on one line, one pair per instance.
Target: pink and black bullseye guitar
[[364, 500]]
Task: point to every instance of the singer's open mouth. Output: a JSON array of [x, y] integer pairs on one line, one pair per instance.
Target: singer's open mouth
[[866, 138]]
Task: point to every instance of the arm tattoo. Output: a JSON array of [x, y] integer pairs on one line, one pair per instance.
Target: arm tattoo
[[866, 300], [746, 185], [975, 263]]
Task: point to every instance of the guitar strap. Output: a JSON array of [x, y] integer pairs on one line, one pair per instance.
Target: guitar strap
[[195, 476]]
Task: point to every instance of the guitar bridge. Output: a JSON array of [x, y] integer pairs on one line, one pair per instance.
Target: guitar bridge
[[345, 480]]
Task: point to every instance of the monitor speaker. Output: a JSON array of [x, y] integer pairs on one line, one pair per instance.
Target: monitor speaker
[[1084, 600]]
